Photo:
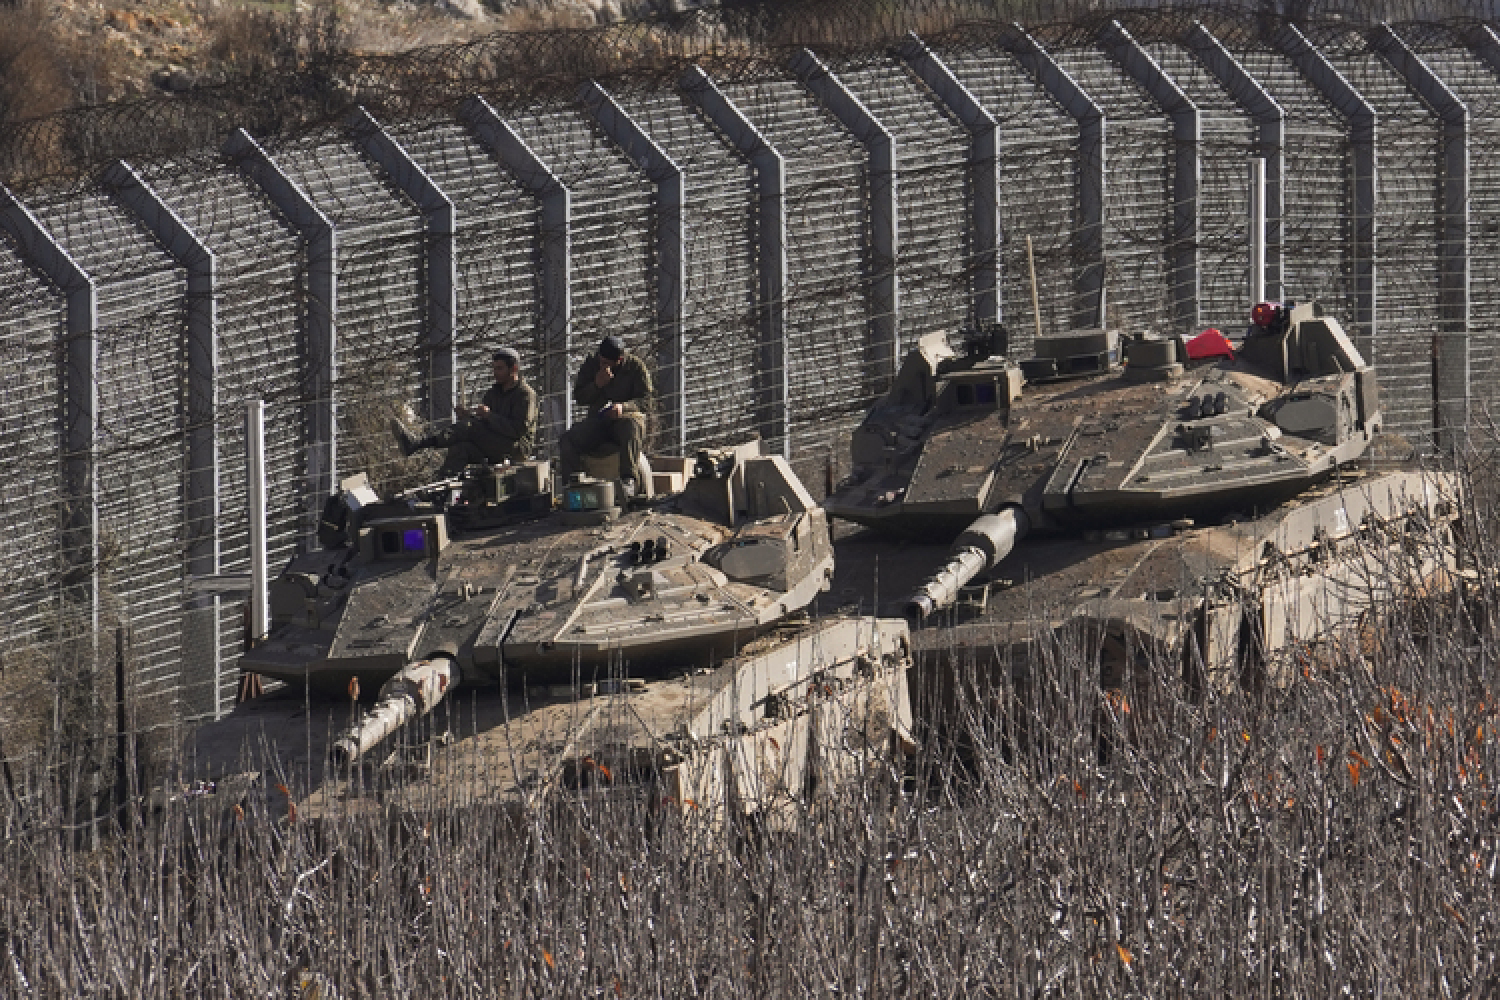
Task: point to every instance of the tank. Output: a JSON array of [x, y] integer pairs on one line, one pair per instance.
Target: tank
[[662, 641], [1199, 495], [490, 573]]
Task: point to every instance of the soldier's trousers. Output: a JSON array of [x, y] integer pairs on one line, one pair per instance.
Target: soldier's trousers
[[468, 443], [596, 434]]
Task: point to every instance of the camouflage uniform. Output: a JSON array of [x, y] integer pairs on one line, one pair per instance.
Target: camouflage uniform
[[596, 433], [506, 433]]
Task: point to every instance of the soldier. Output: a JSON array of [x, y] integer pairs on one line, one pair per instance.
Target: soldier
[[611, 383], [501, 428]]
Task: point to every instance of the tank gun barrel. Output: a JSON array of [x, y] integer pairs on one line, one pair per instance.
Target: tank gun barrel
[[413, 692], [981, 546]]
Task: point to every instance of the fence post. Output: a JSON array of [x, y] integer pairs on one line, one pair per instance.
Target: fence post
[[77, 435], [202, 501], [773, 408], [1270, 144], [440, 219], [671, 251], [1088, 237], [1360, 115], [556, 253], [127, 778], [255, 504], [1186, 138], [984, 174], [1257, 230], [321, 242], [883, 352], [1450, 366]]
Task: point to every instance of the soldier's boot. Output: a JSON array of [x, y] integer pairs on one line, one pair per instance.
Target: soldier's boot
[[408, 444]]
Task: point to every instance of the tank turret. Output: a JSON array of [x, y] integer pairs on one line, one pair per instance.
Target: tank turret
[[490, 567], [1099, 431]]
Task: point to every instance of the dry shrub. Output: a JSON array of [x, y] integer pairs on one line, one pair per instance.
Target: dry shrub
[[26, 691], [248, 41], [548, 18], [33, 80], [1337, 835]]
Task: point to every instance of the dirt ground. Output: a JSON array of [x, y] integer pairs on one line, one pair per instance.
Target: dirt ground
[[75, 53]]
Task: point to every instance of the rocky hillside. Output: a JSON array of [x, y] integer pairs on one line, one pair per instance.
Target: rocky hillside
[[81, 52]]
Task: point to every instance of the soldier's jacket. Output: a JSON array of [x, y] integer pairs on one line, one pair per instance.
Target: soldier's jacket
[[512, 417], [631, 383]]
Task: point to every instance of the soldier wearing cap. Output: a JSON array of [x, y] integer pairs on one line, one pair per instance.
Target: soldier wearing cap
[[501, 428], [613, 384]]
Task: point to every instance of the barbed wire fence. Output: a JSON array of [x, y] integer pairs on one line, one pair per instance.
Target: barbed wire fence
[[828, 213]]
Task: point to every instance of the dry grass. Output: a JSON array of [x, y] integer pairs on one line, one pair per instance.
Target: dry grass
[[254, 41], [33, 75], [1050, 839]]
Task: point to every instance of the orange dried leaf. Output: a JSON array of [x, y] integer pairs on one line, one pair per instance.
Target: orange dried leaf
[[291, 812], [1079, 789], [1212, 732], [1353, 772], [1245, 735], [283, 790], [1124, 953], [547, 957], [1320, 753]]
